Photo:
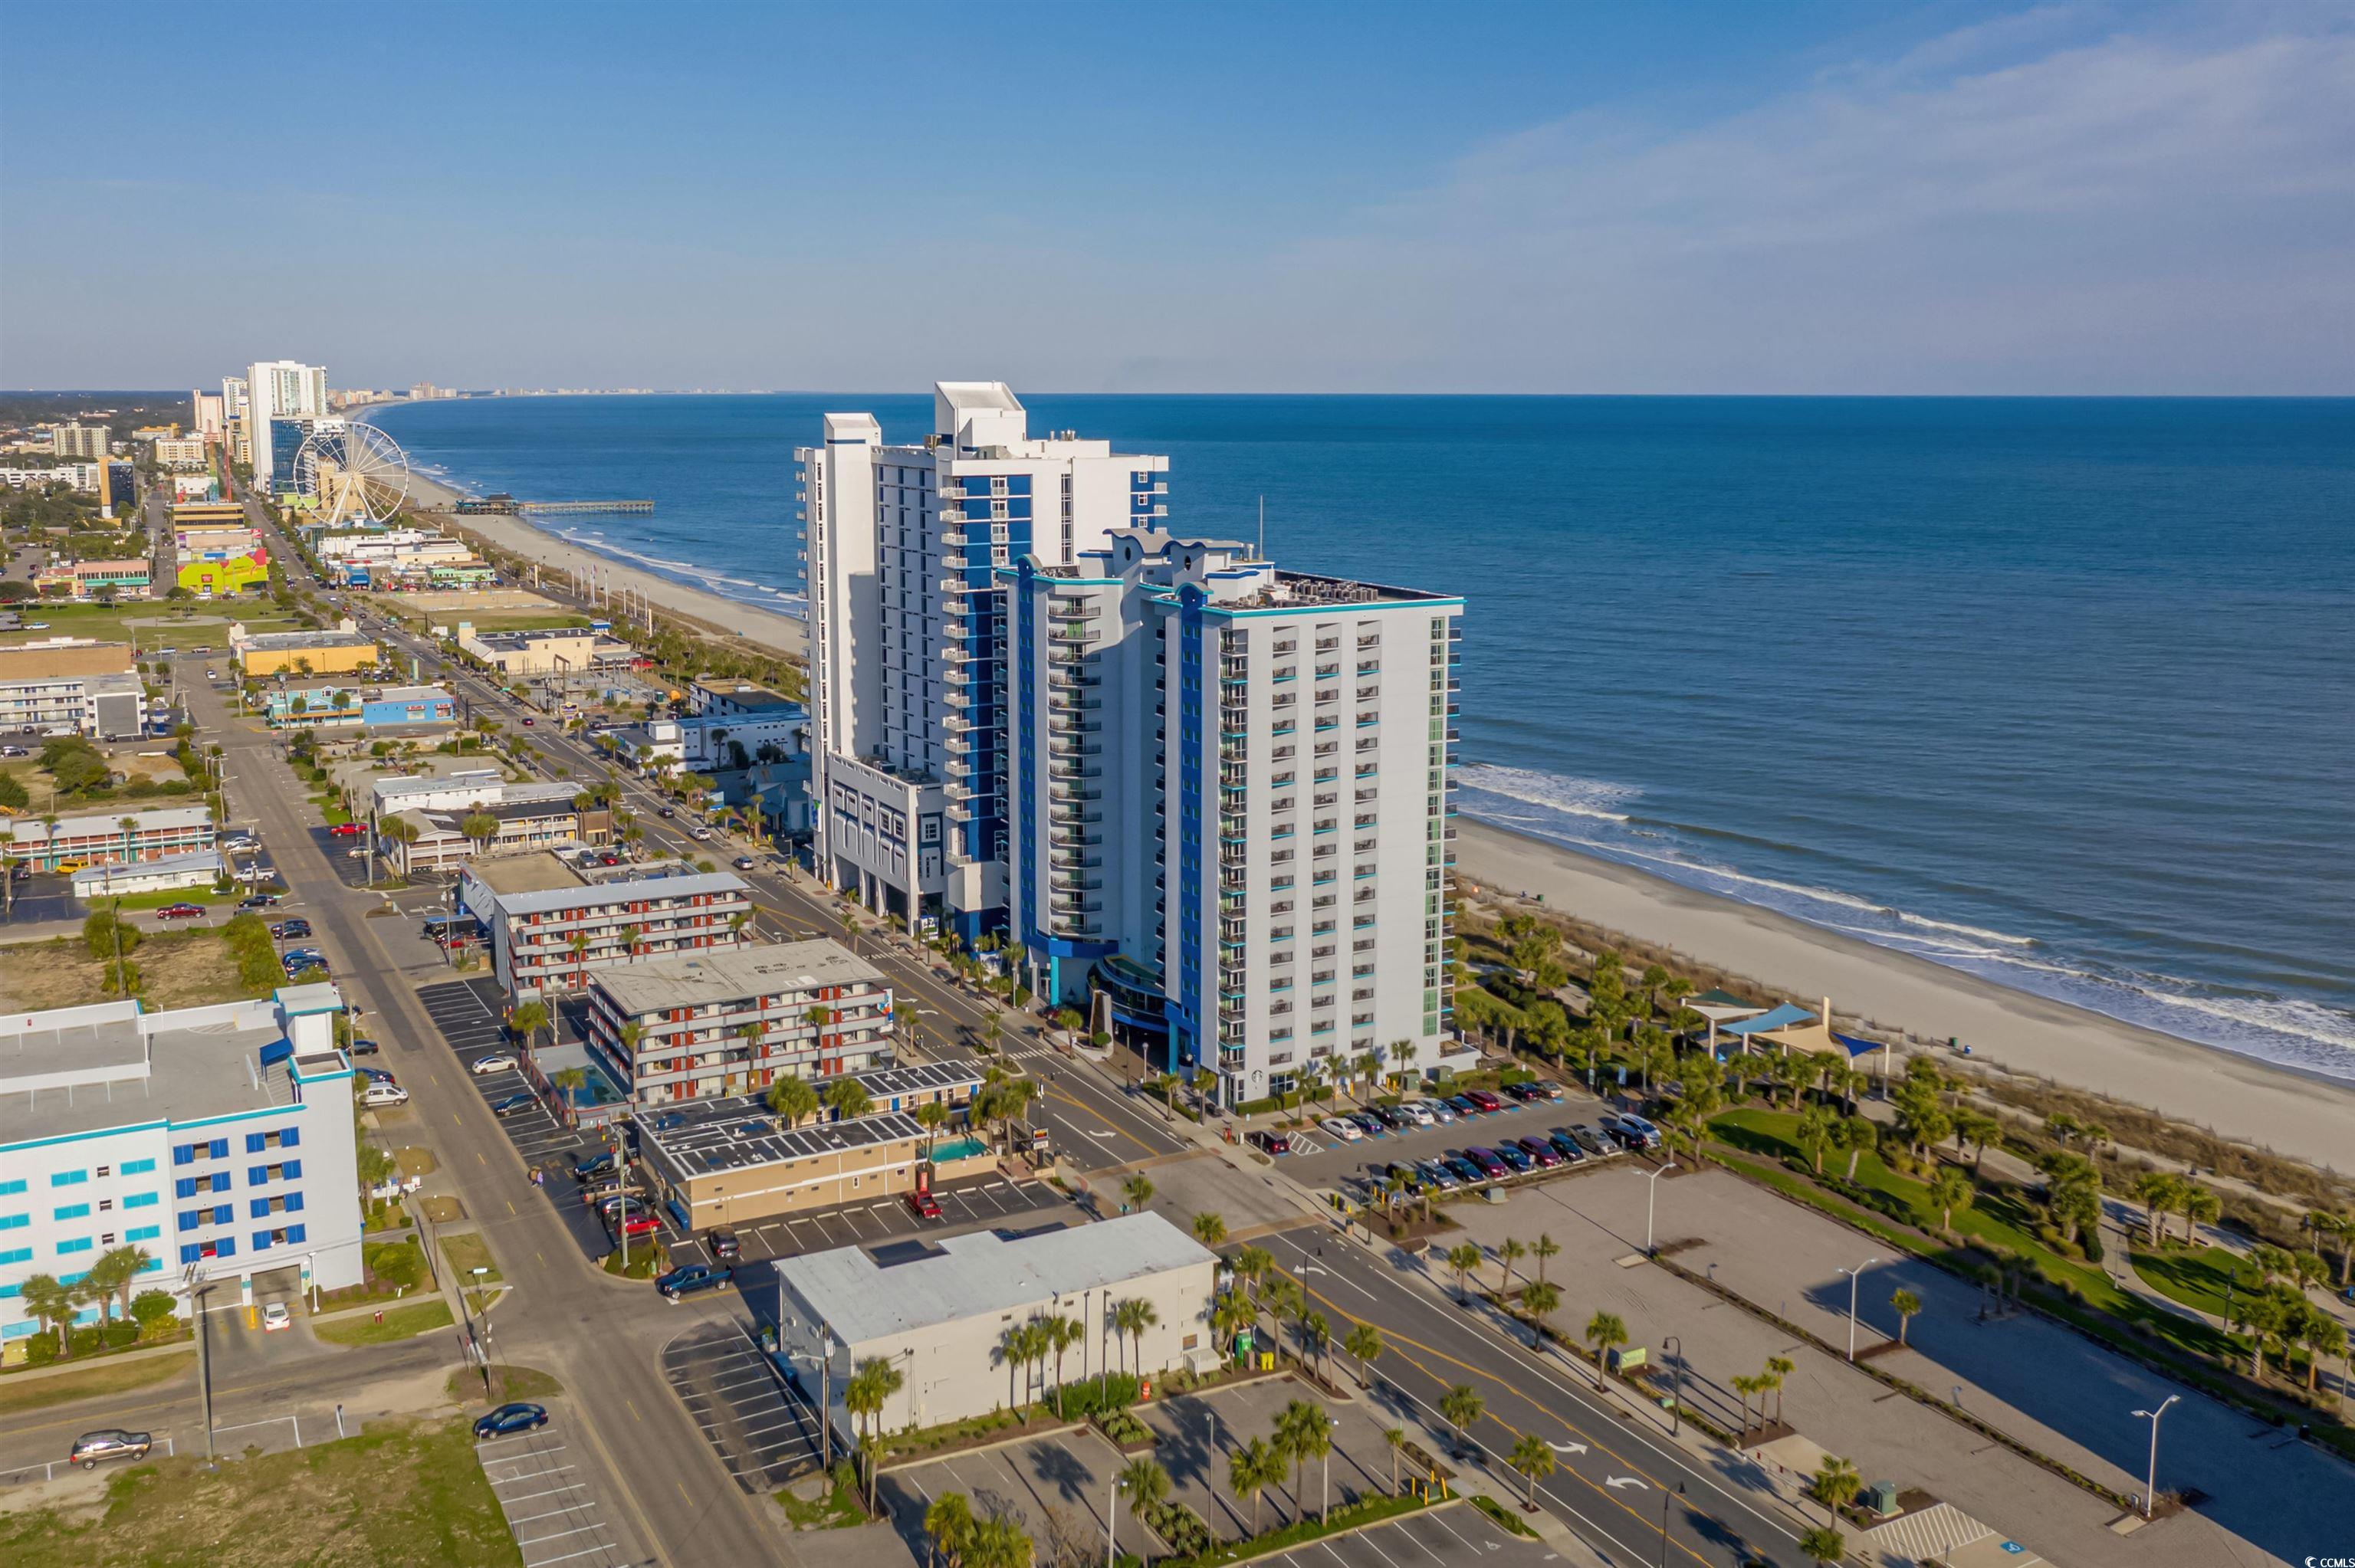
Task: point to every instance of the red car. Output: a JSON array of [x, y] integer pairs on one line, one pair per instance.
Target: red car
[[924, 1206], [346, 830], [1485, 1100], [180, 912], [640, 1225]]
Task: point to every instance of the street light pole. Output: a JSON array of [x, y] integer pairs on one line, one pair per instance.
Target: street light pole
[[1853, 1276], [1111, 1521], [1676, 1372], [1667, 1500], [195, 1280], [2150, 1486], [1651, 1191]]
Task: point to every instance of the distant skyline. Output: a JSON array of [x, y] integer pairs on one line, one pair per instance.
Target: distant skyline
[[1711, 198]]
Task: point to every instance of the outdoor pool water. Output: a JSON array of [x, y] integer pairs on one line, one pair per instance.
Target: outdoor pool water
[[963, 1148]]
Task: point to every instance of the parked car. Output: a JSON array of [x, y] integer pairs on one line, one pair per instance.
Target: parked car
[[1417, 1112], [1632, 1130], [1462, 1107], [384, 1095], [1593, 1142], [1392, 1118], [1514, 1157], [1529, 1091], [289, 929], [637, 1224], [619, 1201], [514, 1105], [1370, 1123], [1541, 1152], [923, 1206], [257, 901], [724, 1245], [180, 912], [108, 1443], [511, 1418], [1490, 1166], [597, 1195], [1273, 1142], [1409, 1180], [1441, 1111], [595, 1166], [367, 1048], [666, 811], [497, 1062], [689, 1278], [1341, 1128], [1435, 1174], [1483, 1101], [275, 1317], [1463, 1170], [1566, 1147], [346, 830]]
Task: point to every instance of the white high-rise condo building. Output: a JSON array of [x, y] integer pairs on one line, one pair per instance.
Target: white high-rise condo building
[[281, 389], [1211, 799], [902, 549], [1231, 817]]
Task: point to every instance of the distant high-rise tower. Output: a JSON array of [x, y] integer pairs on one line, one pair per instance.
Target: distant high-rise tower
[[907, 614], [283, 390]]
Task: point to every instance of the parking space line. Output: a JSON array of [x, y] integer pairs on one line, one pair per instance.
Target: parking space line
[[544, 1561], [552, 1491], [557, 1534]]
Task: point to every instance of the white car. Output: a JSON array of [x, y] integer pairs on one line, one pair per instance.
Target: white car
[[385, 1095], [497, 1062], [275, 1317], [1421, 1111], [1345, 1131]]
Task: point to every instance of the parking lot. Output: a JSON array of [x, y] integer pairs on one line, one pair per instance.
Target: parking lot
[[763, 1433], [1332, 1163], [985, 1203], [551, 1512]]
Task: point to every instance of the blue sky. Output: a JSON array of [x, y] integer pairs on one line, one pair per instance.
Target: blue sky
[[1701, 197]]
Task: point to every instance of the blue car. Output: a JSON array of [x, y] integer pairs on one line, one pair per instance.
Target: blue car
[[1512, 1154], [511, 1418], [689, 1278], [1462, 1106], [1371, 1125], [1463, 1170]]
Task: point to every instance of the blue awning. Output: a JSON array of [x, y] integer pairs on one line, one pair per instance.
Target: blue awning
[[1781, 1017], [1856, 1047]]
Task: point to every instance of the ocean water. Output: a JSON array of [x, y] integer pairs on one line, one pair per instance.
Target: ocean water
[[2058, 692]]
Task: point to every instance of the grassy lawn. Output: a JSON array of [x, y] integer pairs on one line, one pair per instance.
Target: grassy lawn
[[399, 1323], [2195, 1277], [19, 1393], [415, 1161], [838, 1510], [179, 968], [396, 1495], [158, 899], [468, 1251], [465, 1385]]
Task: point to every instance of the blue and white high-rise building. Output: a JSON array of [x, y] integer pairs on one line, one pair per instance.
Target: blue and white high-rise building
[[1232, 812], [217, 1139], [907, 616]]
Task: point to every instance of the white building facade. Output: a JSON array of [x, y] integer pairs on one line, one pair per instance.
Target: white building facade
[[218, 1139], [1232, 812], [903, 544], [279, 390]]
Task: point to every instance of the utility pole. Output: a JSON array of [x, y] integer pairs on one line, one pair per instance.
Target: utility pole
[[195, 1280]]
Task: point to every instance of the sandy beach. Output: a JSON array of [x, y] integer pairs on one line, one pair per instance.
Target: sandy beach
[[2295, 1114], [432, 504]]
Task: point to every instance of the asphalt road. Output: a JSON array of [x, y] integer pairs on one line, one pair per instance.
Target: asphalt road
[[595, 1333], [1614, 1478]]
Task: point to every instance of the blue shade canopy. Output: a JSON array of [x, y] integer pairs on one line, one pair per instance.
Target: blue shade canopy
[[1781, 1017]]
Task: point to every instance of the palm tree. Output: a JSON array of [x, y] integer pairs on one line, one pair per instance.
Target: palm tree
[[847, 1099], [1509, 1253], [1543, 1248], [2198, 1206], [1146, 1483], [1836, 1483], [397, 830], [1363, 1344], [1463, 1258], [578, 945], [1394, 1439], [1823, 1543], [1460, 1407], [1231, 1315], [2157, 1191], [1538, 1300], [1013, 1353], [1815, 1133], [1315, 1334], [1605, 1331], [871, 1386], [1303, 1432], [1533, 1456], [1905, 1304], [948, 1530], [1137, 1190], [1745, 1385], [526, 1021], [1777, 1369], [1063, 1335], [123, 1265], [568, 1082], [479, 828], [1251, 1470], [1209, 1229], [629, 935], [1950, 1190], [51, 1304], [793, 1100], [931, 1117]]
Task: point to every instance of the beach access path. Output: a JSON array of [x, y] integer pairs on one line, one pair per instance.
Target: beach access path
[[2295, 1114]]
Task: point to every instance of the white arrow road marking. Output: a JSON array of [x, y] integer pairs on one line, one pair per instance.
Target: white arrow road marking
[[1567, 1448], [1625, 1481], [1099, 1134]]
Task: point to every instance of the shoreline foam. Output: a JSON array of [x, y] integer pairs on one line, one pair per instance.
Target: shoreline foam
[[2305, 1116]]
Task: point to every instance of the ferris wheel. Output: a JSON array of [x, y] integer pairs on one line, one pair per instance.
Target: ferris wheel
[[356, 473]]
